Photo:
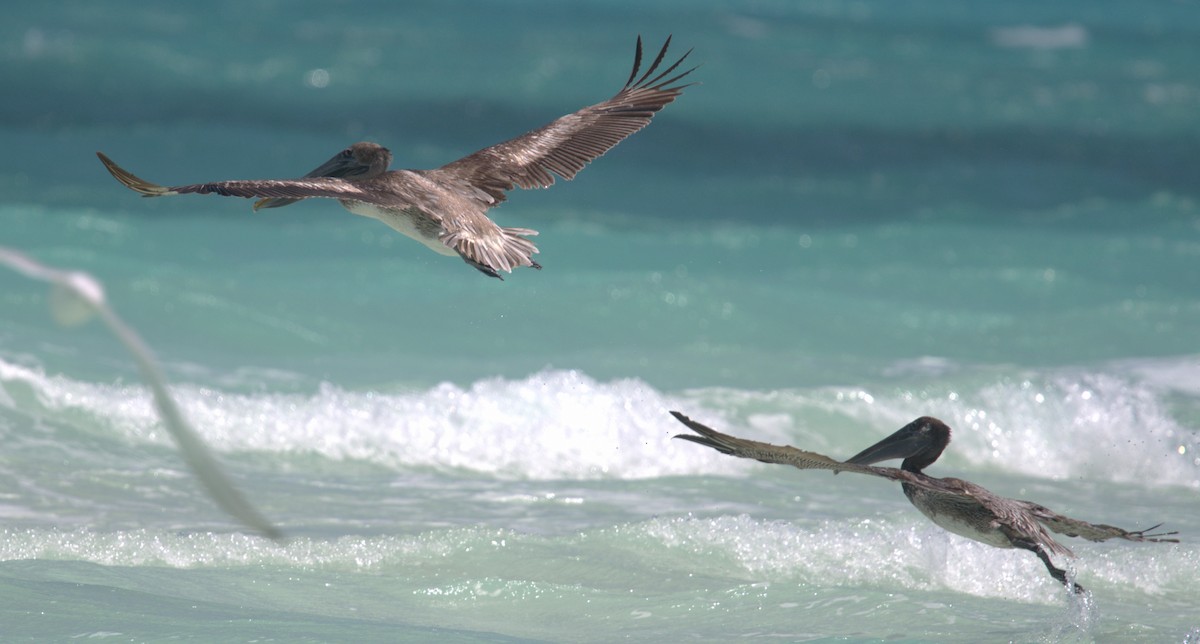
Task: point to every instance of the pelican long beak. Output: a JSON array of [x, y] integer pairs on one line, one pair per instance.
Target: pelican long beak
[[343, 164], [902, 444]]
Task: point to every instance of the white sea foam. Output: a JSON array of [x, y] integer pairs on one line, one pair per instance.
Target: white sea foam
[[1071, 424], [147, 547], [553, 424], [917, 556], [564, 424], [1116, 424], [862, 553]]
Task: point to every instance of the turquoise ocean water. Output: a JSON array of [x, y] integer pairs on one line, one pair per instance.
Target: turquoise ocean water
[[865, 212]]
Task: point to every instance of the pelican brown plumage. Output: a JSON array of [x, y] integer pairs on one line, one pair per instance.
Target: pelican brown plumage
[[445, 208], [959, 506]]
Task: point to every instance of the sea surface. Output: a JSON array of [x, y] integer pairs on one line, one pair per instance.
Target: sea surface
[[864, 212]]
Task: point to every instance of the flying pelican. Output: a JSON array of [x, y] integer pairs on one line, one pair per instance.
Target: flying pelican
[[445, 208], [959, 506]]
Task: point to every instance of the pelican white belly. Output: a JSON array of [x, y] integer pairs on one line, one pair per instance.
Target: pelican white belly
[[404, 222]]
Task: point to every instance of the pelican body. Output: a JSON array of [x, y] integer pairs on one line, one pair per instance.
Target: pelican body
[[958, 506], [445, 208]]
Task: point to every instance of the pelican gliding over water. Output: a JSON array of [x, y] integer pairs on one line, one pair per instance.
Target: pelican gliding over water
[[959, 506], [445, 208]]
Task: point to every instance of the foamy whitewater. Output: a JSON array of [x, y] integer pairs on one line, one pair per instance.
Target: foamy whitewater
[[863, 214]]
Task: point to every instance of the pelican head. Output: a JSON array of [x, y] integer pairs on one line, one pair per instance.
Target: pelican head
[[363, 160], [919, 443]]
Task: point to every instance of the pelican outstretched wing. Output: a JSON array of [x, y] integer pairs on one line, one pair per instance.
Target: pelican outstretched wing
[[1093, 531], [781, 454], [328, 187], [805, 460], [564, 146]]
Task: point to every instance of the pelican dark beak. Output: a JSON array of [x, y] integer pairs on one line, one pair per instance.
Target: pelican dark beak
[[904, 443], [343, 164]]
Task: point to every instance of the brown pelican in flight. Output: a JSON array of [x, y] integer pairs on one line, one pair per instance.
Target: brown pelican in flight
[[956, 505], [445, 208]]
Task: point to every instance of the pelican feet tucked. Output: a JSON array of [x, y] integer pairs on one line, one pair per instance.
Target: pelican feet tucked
[[961, 507], [445, 208]]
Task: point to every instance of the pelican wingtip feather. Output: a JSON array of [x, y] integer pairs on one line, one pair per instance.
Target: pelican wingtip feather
[[132, 181]]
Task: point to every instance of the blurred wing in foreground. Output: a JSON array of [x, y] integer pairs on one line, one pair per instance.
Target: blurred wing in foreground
[[77, 296]]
